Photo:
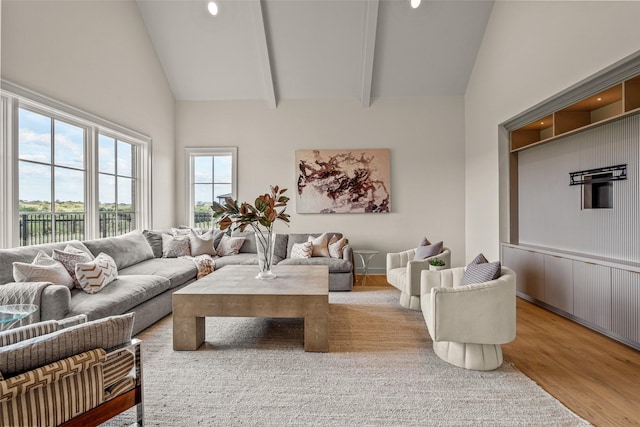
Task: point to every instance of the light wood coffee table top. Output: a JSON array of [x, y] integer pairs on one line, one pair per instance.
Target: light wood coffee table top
[[297, 291]]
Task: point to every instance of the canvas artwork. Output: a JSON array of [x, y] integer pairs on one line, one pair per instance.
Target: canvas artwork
[[343, 181]]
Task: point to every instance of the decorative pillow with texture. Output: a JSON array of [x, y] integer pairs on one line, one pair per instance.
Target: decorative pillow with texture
[[202, 244], [95, 275], [184, 230], [301, 250], [42, 269], [480, 270], [229, 245], [175, 246], [336, 245], [69, 258], [320, 245], [423, 252]]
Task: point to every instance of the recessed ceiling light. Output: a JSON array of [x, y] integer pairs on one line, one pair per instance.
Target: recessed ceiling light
[[213, 8], [599, 99], [415, 3]]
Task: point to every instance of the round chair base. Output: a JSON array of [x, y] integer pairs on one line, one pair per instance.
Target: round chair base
[[411, 302], [479, 357]]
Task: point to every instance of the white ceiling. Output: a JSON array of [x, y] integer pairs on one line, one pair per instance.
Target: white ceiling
[[314, 49]]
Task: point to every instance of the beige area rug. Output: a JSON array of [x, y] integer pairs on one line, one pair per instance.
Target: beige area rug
[[380, 371]]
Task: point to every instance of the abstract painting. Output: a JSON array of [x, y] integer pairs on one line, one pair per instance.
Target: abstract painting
[[343, 181]]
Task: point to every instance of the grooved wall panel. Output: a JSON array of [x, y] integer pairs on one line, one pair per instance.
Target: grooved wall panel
[[550, 211], [625, 288], [592, 293]]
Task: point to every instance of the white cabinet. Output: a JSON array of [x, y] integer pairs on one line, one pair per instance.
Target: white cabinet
[[558, 282], [592, 293], [528, 266], [625, 287]]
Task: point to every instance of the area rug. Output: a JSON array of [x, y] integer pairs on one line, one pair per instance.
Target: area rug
[[380, 371]]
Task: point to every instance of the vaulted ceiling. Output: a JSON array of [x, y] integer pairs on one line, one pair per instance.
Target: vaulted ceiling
[[316, 49]]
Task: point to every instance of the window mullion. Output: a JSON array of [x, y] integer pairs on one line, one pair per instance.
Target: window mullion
[[91, 227]]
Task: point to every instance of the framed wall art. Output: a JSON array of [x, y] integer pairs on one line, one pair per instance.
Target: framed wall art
[[343, 181]]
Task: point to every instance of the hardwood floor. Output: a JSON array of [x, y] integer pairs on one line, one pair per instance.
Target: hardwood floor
[[594, 376]]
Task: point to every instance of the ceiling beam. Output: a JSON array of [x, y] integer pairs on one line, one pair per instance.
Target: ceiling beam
[[370, 29], [263, 52]]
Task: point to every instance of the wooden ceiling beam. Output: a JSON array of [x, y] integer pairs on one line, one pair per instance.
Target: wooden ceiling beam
[[265, 58]]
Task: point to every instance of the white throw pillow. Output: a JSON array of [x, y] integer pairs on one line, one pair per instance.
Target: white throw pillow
[[202, 244], [301, 250], [229, 245], [95, 275], [320, 247], [43, 268], [336, 246], [175, 246]]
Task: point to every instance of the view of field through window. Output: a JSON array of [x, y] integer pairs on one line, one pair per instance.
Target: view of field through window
[[52, 176], [211, 182]]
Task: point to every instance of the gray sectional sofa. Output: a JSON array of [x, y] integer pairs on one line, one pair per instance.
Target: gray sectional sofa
[[146, 282]]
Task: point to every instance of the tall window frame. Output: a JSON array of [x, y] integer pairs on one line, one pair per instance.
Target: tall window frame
[[14, 97], [191, 155]]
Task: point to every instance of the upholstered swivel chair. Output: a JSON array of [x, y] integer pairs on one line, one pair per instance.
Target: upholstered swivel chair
[[403, 273], [468, 323]]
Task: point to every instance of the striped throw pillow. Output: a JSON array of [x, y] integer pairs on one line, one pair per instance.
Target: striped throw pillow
[[480, 271], [301, 250], [94, 275]]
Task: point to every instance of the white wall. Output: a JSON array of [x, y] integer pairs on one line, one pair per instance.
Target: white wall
[[530, 51], [425, 136], [96, 56]]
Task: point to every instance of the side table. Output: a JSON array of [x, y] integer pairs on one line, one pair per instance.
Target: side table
[[366, 255], [11, 314]]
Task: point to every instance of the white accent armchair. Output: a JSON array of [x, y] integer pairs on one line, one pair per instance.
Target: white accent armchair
[[468, 323], [403, 272]]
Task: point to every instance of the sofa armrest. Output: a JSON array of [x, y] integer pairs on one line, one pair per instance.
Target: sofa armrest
[[482, 313], [56, 302], [13, 387]]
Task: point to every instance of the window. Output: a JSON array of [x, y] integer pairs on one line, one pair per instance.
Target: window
[[211, 176], [116, 186], [67, 174], [51, 176]]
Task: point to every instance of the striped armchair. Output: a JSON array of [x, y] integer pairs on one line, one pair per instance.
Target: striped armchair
[[81, 375]]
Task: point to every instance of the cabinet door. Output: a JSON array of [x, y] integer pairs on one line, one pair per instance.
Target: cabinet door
[[592, 293], [529, 270], [625, 315], [558, 282]]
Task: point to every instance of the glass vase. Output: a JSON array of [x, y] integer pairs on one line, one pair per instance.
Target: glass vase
[[265, 242]]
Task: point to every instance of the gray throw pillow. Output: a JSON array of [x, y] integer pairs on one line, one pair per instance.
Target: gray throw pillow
[[480, 272], [175, 246], [203, 244], [154, 238], [423, 252]]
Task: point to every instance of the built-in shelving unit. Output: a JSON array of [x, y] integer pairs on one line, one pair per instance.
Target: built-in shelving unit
[[612, 103]]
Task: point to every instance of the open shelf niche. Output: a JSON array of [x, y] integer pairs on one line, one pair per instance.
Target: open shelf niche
[[609, 104]]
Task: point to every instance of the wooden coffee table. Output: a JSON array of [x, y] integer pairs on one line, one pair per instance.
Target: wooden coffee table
[[298, 291]]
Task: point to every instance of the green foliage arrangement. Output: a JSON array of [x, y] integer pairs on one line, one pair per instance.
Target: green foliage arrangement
[[437, 262]]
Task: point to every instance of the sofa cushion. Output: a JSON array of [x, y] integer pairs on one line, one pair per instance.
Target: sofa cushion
[[336, 265], [178, 270], [119, 297], [240, 259], [42, 350], [126, 250]]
